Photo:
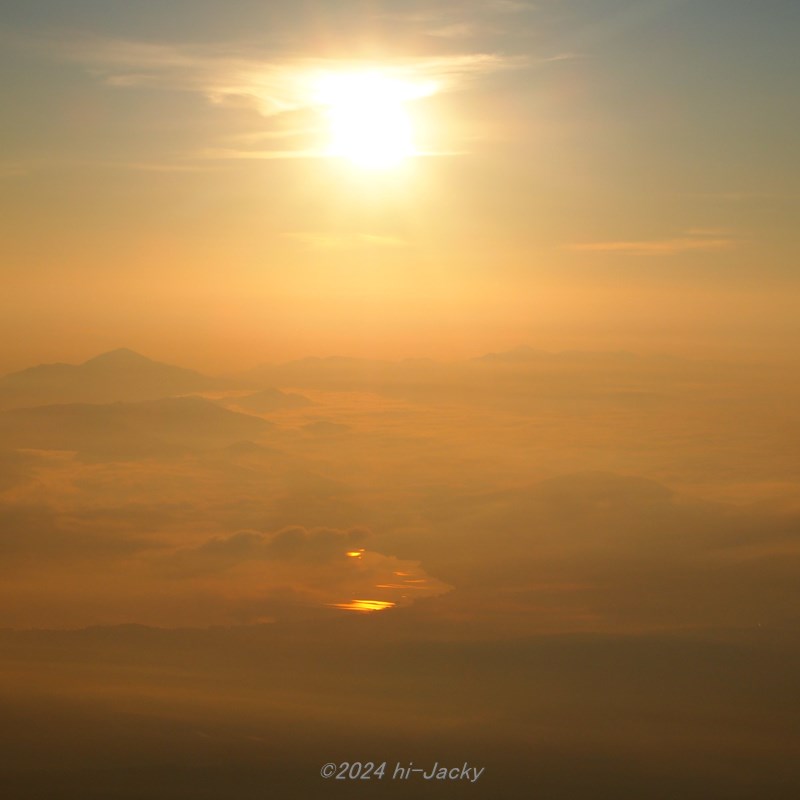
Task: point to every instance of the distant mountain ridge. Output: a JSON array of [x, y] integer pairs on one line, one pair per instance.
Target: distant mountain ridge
[[127, 376], [125, 429], [118, 375]]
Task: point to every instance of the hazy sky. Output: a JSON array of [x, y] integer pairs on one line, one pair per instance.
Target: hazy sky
[[565, 547], [604, 173]]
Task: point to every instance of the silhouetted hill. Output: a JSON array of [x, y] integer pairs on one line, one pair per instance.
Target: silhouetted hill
[[324, 427], [119, 375], [270, 399], [128, 428], [523, 355], [122, 357]]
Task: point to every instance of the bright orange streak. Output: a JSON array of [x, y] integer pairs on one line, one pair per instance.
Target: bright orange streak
[[364, 605]]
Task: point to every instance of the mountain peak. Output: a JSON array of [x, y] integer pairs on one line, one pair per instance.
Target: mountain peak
[[121, 356], [120, 375]]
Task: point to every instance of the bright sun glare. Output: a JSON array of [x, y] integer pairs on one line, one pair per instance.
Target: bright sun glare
[[369, 122]]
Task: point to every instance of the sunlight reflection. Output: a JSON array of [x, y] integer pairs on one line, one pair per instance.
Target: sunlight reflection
[[364, 605]]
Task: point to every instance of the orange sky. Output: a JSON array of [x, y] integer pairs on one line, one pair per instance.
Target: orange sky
[[170, 185]]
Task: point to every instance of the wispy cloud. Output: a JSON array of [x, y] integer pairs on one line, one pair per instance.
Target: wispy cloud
[[316, 240], [695, 240], [284, 90], [231, 153], [272, 86]]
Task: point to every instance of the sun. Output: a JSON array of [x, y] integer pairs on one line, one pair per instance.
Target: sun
[[370, 125]]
